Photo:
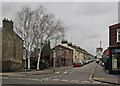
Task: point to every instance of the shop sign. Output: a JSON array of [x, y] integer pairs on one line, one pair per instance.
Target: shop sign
[[115, 50]]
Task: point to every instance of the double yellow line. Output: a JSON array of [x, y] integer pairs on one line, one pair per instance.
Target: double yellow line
[[91, 75]]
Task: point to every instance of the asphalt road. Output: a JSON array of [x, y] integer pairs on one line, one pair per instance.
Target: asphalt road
[[75, 75]]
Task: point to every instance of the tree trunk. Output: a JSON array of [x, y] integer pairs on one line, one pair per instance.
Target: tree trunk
[[28, 60], [39, 55]]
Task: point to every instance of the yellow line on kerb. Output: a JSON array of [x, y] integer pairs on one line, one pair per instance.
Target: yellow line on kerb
[[98, 78], [90, 78]]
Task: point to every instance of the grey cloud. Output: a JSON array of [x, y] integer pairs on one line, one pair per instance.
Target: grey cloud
[[87, 22]]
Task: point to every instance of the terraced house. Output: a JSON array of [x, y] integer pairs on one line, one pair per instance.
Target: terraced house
[[61, 56], [12, 48]]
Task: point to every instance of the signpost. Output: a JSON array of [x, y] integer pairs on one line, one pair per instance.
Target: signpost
[[54, 55]]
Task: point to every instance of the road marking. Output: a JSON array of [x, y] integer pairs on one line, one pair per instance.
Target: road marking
[[33, 79], [65, 72], [91, 75], [98, 78], [55, 79], [20, 78], [5, 77], [85, 81], [65, 80], [74, 81], [12, 74], [95, 82], [44, 79], [57, 72], [56, 76]]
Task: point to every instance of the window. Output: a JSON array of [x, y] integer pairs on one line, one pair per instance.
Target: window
[[118, 35]]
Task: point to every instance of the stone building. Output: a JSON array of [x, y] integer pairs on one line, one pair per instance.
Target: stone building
[[12, 48]]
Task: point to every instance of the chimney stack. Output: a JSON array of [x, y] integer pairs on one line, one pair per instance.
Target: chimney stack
[[64, 42], [7, 24]]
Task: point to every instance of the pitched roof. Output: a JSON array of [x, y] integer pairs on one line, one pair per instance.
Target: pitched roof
[[63, 47]]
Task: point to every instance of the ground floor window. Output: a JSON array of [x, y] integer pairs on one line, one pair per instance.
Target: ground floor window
[[115, 61], [63, 61]]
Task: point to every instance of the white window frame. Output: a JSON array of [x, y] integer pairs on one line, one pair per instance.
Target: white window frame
[[118, 33]]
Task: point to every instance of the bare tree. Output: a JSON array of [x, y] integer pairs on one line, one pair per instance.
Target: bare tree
[[37, 27], [24, 28], [46, 29]]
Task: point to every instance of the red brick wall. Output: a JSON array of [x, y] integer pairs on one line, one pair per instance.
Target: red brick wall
[[65, 54], [113, 35]]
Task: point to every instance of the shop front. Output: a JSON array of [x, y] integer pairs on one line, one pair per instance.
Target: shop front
[[114, 60]]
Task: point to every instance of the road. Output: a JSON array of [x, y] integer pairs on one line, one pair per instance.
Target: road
[[74, 75]]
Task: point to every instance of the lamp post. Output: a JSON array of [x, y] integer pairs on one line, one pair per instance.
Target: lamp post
[[54, 55]]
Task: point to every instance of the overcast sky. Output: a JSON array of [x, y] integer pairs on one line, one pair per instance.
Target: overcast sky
[[87, 22]]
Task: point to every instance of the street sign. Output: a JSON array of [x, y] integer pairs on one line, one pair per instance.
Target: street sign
[[99, 52], [105, 56]]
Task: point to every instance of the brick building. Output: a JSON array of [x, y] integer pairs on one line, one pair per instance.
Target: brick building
[[114, 35], [12, 48], [114, 49], [63, 56]]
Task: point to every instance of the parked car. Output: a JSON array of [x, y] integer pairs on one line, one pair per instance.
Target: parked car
[[86, 61], [78, 64], [97, 61], [82, 63]]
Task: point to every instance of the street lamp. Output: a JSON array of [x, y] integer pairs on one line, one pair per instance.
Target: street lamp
[[54, 55]]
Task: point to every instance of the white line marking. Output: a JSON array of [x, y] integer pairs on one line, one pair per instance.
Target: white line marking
[[5, 77], [74, 81], [55, 79], [64, 80], [86, 81], [65, 72], [20, 78], [57, 72], [95, 82], [44, 79]]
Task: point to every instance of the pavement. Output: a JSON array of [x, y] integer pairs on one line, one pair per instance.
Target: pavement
[[102, 75], [36, 72]]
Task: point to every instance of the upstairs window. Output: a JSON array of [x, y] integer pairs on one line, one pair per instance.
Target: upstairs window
[[118, 35]]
